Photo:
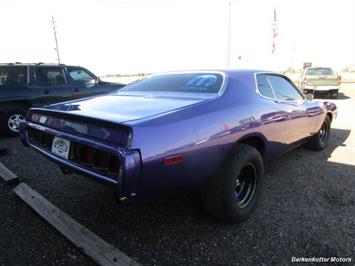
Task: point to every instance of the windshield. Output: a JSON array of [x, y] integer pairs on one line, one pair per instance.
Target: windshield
[[184, 82], [319, 71]]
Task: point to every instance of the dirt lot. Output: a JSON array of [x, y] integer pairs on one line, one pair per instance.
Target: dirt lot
[[307, 209]]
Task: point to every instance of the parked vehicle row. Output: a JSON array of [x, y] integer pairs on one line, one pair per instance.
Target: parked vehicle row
[[23, 86], [209, 131]]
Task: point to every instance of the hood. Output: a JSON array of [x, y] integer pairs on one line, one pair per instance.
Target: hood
[[113, 84], [121, 108]]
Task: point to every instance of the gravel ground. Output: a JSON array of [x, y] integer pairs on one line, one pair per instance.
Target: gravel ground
[[307, 209]]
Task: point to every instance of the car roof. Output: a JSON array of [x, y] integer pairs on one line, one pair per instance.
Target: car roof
[[35, 64], [226, 71], [318, 68]]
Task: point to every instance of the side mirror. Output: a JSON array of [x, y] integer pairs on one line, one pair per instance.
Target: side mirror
[[98, 80], [309, 96]]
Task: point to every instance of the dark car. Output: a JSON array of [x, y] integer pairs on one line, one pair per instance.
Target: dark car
[[32, 85], [209, 131], [320, 80]]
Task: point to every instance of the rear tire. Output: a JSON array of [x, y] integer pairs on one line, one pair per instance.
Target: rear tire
[[233, 194], [320, 140], [11, 119], [334, 94]]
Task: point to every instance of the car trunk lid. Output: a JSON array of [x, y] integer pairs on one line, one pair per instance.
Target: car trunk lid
[[323, 80], [104, 117], [119, 108]]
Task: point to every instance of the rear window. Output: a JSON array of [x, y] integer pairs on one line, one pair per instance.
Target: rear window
[[185, 82], [319, 71], [13, 76]]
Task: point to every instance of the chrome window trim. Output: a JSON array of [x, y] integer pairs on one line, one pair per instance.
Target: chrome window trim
[[257, 88], [217, 95], [272, 88], [274, 99]]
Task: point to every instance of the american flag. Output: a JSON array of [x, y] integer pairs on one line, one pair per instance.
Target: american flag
[[274, 32]]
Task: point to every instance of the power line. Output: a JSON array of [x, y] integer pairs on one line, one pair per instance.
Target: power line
[[56, 40]]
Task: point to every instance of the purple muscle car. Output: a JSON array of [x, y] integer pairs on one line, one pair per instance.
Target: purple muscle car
[[209, 131]]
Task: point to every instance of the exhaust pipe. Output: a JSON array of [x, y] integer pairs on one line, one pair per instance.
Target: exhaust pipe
[[117, 195]]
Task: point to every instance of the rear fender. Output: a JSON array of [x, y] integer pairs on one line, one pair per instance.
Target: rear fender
[[131, 172]]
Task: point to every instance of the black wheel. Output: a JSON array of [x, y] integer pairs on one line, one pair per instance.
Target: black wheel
[[10, 120], [320, 140], [334, 94], [233, 194]]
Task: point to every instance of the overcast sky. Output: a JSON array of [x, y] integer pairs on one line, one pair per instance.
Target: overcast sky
[[129, 36]]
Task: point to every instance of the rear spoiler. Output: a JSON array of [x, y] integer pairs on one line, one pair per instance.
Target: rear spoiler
[[82, 125]]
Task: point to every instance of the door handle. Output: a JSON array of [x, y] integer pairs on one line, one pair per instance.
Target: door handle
[[75, 89], [45, 91]]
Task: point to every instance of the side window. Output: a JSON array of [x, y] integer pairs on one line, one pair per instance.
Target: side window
[[50, 76], [80, 76], [13, 76], [264, 86], [283, 89]]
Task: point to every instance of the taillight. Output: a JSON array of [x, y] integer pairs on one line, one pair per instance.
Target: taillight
[[94, 159], [103, 159], [305, 80], [89, 155], [102, 162]]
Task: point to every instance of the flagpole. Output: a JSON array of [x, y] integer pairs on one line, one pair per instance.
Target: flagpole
[[229, 32], [274, 32], [274, 35]]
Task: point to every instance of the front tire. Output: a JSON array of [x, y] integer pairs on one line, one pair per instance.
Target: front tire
[[10, 120], [233, 194], [320, 140]]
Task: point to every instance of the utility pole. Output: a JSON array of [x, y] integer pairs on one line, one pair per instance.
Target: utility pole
[[56, 40], [229, 40]]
